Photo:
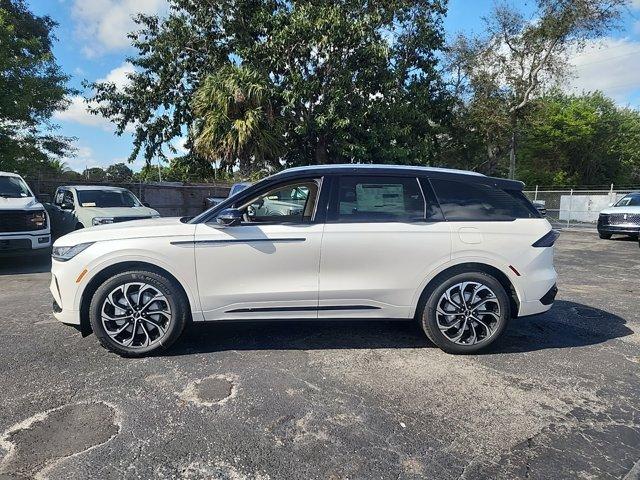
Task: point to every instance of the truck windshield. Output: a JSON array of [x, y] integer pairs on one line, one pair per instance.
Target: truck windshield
[[106, 198], [14, 187], [631, 200]]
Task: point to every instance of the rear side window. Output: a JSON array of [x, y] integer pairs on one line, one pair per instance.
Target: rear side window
[[461, 201], [377, 199]]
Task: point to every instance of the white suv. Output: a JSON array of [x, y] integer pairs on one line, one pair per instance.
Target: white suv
[[460, 252], [24, 223]]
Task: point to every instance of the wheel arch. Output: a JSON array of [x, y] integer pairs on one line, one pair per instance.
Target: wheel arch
[[114, 269], [468, 267]]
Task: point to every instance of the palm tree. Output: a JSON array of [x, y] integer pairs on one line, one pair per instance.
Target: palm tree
[[236, 122], [58, 166]]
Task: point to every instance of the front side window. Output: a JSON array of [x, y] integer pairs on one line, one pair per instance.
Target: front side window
[[463, 201], [107, 198], [377, 199], [13, 187], [291, 203]]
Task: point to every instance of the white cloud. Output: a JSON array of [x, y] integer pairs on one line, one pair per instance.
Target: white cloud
[[104, 24], [78, 111], [635, 4], [610, 65], [119, 75]]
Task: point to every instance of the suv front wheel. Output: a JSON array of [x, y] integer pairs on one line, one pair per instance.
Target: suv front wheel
[[138, 312], [466, 313]]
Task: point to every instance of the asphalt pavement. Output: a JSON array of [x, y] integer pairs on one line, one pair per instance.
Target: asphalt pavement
[[557, 397]]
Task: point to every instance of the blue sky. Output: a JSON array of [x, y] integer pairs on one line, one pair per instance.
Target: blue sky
[[92, 45]]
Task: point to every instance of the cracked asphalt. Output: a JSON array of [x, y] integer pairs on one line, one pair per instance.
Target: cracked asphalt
[[557, 397]]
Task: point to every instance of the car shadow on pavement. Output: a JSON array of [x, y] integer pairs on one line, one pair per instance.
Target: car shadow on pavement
[[567, 325], [28, 263]]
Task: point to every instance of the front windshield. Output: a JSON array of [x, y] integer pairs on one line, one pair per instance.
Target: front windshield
[[106, 198], [631, 200], [14, 187]]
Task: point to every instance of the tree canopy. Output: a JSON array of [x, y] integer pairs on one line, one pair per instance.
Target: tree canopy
[[350, 80], [32, 88]]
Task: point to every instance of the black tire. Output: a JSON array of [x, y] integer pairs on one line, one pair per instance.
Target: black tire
[[429, 322], [604, 236], [174, 296]]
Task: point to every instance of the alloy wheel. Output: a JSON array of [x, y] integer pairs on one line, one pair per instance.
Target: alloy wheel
[[468, 313], [136, 315]]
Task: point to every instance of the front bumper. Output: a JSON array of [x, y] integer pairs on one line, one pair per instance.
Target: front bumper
[[62, 309], [15, 244], [628, 229]]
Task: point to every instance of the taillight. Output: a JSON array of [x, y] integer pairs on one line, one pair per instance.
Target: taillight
[[548, 240]]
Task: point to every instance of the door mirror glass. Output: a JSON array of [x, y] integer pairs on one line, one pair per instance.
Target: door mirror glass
[[229, 217]]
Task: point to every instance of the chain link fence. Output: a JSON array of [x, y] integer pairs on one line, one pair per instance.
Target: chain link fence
[[576, 207]]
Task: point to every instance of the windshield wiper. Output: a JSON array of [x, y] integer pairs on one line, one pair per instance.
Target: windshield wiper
[[9, 195]]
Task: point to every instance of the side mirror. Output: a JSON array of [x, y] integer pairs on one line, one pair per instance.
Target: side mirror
[[66, 206], [611, 204], [229, 217]]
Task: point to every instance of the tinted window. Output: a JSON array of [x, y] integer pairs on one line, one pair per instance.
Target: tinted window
[[377, 199], [473, 201], [106, 198], [13, 187]]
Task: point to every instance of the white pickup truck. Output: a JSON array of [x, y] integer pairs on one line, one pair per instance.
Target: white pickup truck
[[24, 223]]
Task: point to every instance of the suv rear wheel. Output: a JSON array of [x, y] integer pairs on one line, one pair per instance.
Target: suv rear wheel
[[466, 313], [138, 312]]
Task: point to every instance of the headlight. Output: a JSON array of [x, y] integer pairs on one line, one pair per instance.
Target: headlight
[[39, 219], [102, 220], [62, 254]]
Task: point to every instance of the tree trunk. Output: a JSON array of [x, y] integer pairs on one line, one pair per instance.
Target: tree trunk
[[322, 156], [512, 149]]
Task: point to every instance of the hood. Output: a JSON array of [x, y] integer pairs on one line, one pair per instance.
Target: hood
[[22, 203], [116, 212], [611, 210], [149, 228]]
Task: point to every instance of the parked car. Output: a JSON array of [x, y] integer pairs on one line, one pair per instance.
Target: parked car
[[541, 207], [235, 188], [76, 207], [24, 223], [622, 217], [460, 252]]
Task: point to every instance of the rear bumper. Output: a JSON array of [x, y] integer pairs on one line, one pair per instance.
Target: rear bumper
[[542, 305]]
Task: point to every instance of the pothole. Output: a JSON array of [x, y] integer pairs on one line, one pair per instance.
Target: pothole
[[37, 444], [210, 391]]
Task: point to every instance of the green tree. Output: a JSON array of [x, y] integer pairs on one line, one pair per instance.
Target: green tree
[[32, 88], [351, 80], [506, 70], [94, 174], [236, 120], [118, 172], [580, 140]]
